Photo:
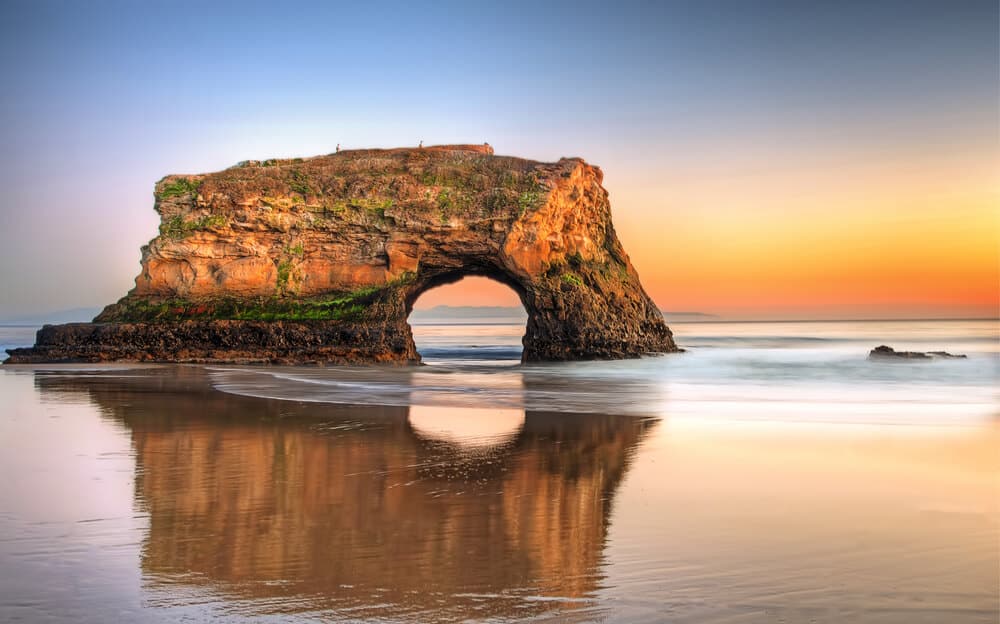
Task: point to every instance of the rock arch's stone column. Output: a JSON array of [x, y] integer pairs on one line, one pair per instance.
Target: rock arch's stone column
[[321, 259]]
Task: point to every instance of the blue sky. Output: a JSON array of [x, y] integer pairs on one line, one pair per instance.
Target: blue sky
[[101, 99]]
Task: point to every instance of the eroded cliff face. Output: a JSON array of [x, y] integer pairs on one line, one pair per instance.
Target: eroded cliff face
[[344, 244]]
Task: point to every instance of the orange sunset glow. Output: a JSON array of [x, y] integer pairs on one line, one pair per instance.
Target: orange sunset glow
[[913, 236], [795, 161]]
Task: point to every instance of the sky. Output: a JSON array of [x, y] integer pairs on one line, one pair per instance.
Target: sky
[[764, 159]]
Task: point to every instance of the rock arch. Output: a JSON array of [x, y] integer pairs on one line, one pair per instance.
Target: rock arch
[[321, 259]]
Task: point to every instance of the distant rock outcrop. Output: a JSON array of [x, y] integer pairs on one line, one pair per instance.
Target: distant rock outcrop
[[886, 352], [321, 259]]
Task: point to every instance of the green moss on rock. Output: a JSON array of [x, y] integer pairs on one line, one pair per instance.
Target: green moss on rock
[[179, 188], [572, 280], [342, 306], [178, 227]]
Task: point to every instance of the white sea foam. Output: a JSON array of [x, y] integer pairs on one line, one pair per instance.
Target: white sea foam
[[807, 371]]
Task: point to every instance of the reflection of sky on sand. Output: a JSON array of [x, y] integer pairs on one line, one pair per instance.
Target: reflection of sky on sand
[[940, 406], [466, 426], [775, 521], [167, 500]]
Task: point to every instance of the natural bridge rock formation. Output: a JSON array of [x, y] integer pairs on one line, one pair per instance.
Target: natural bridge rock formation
[[321, 259]]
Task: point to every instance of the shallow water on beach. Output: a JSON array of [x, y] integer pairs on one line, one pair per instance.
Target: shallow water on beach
[[788, 371], [771, 473]]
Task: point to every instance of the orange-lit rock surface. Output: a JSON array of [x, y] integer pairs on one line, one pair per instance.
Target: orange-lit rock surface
[[344, 244]]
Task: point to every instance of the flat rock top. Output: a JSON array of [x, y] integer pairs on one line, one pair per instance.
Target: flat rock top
[[436, 150], [449, 175]]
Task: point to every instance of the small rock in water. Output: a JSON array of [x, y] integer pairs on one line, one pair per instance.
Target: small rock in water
[[883, 351], [945, 354]]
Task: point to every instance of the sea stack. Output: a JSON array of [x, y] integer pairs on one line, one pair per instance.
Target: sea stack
[[884, 352], [319, 260]]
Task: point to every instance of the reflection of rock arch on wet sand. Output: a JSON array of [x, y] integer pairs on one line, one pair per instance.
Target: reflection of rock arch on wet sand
[[343, 504]]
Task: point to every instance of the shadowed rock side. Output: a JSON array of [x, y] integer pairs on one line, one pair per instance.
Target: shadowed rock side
[[321, 260], [314, 508]]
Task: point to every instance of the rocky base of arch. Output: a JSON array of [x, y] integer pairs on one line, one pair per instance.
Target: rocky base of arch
[[222, 341]]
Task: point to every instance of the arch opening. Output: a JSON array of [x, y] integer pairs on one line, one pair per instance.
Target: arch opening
[[472, 319]]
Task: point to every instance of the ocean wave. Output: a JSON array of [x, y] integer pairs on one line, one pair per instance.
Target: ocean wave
[[733, 384]]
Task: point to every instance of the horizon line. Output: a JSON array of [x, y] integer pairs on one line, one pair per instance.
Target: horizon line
[[848, 320]]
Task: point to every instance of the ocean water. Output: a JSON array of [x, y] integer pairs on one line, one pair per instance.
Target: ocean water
[[14, 336], [782, 371], [771, 473]]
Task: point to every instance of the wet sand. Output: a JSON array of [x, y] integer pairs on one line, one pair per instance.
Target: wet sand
[[145, 494]]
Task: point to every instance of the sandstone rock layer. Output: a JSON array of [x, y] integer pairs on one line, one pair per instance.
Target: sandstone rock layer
[[321, 260]]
